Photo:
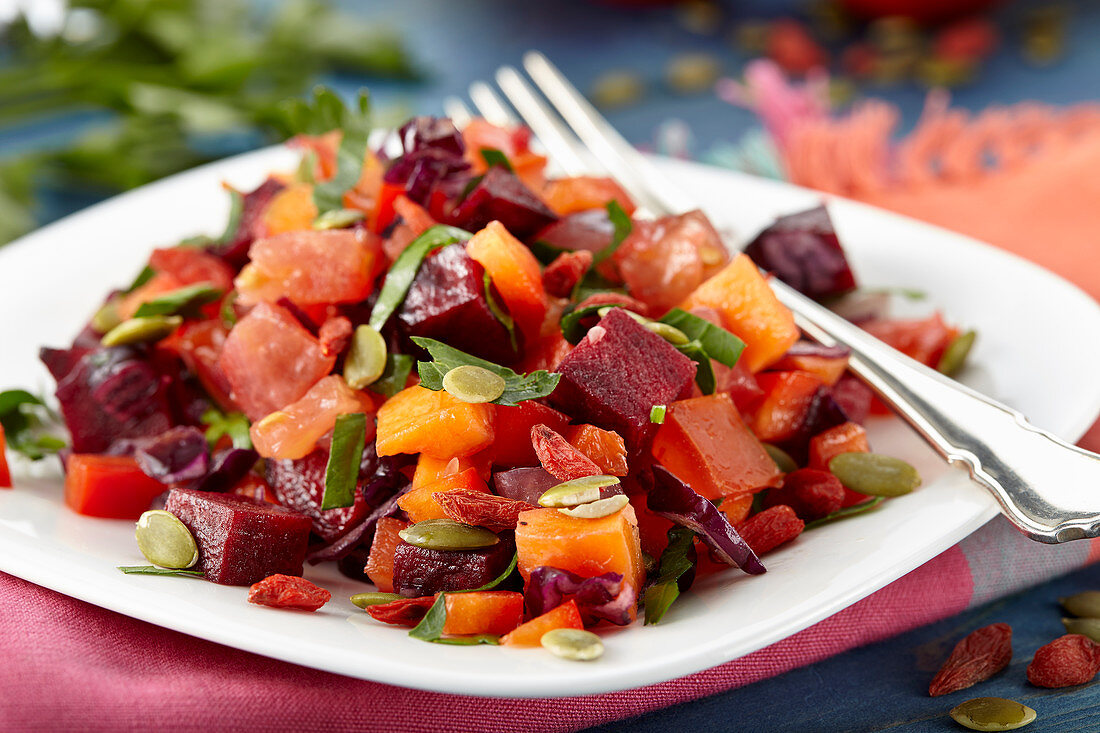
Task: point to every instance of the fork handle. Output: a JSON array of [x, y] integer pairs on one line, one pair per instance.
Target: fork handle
[[1046, 487]]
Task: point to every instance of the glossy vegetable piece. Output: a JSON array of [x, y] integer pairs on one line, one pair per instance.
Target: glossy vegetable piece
[[420, 503], [108, 486], [199, 345], [512, 445], [270, 360], [803, 251], [418, 420], [590, 230], [605, 597], [234, 250], [432, 162], [291, 210], [293, 431], [844, 438], [796, 406], [5, 472], [176, 455], [749, 310], [430, 469], [514, 271], [300, 485], [501, 196], [617, 373], [705, 443], [380, 562], [523, 484], [483, 612], [447, 301], [419, 571], [923, 339], [853, 397], [241, 540], [574, 194], [827, 363], [481, 509], [605, 448], [191, 265], [810, 492], [559, 457], [529, 634]]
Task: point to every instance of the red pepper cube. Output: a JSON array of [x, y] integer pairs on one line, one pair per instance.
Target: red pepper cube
[[108, 486]]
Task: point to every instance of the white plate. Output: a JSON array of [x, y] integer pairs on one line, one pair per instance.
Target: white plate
[[1030, 353]]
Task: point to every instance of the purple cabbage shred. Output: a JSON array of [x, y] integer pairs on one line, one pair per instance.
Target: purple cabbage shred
[[601, 598]]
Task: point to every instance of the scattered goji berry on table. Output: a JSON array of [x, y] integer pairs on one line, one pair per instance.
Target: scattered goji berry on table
[[495, 513], [770, 528], [561, 459], [980, 655], [811, 493], [288, 591], [1069, 660], [404, 612], [562, 275]]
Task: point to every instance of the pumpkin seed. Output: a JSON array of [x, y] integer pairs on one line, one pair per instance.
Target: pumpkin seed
[[138, 330], [874, 474], [608, 308], [954, 356], [1085, 605], [992, 713], [106, 318], [671, 334], [338, 219], [474, 384], [364, 600], [1089, 627], [599, 508], [577, 645], [447, 534], [578, 491], [781, 457], [165, 540], [366, 358]]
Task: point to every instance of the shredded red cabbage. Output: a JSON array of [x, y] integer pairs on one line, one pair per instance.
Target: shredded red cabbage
[[604, 597]]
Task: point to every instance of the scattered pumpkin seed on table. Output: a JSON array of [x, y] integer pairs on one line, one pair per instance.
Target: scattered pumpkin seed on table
[[578, 491], [474, 384], [599, 508], [874, 474], [165, 540], [447, 534], [992, 714], [1089, 627], [576, 645]]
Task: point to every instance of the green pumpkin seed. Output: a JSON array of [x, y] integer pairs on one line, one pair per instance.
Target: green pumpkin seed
[[874, 474], [608, 308], [165, 540], [992, 713], [671, 334], [1089, 627], [366, 359], [577, 491], [338, 219], [139, 330], [364, 600], [1085, 605], [447, 534], [954, 356], [781, 457], [474, 384], [599, 508], [577, 645], [106, 318]]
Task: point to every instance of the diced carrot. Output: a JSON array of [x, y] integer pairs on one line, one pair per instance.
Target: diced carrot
[[829, 369], [705, 443], [5, 473], [420, 505], [415, 216], [750, 310], [736, 507], [605, 448], [108, 486], [291, 210], [514, 271], [418, 420], [380, 561], [293, 431], [430, 469], [512, 446], [787, 399], [565, 616], [483, 612], [588, 547], [580, 193], [365, 194]]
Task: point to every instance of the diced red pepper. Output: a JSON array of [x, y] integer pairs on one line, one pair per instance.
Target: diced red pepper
[[109, 486], [512, 445]]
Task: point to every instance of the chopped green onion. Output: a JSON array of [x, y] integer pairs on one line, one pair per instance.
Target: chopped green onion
[[183, 301], [403, 270], [342, 471], [657, 414]]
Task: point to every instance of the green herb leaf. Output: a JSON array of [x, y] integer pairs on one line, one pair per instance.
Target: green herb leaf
[[517, 387], [848, 511], [720, 344], [28, 423], [143, 277], [185, 301], [430, 627], [704, 373], [236, 209], [571, 321], [342, 471], [623, 226], [492, 157], [154, 570], [657, 414], [403, 270], [233, 424], [228, 314], [395, 375], [498, 310], [470, 640], [674, 563]]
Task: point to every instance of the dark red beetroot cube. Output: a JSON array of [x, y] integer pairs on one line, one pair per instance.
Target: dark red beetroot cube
[[617, 373], [241, 540], [421, 572], [589, 230], [803, 251], [523, 484], [501, 196], [447, 302], [300, 485]]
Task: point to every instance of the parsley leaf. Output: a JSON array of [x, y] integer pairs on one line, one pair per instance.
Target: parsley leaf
[[344, 458], [848, 511], [518, 387], [430, 627], [27, 423], [492, 157], [154, 570], [233, 424], [674, 563]]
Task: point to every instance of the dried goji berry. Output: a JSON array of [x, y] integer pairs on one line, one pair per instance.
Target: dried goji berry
[[495, 513], [334, 335], [288, 591], [770, 528], [560, 459], [979, 656], [562, 275], [1069, 660], [402, 612], [606, 448], [812, 494]]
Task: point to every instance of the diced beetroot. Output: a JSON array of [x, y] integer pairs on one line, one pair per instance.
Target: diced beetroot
[[250, 225], [803, 251], [241, 540], [300, 485], [617, 373], [502, 197], [854, 398], [523, 484], [447, 302], [421, 572], [590, 230]]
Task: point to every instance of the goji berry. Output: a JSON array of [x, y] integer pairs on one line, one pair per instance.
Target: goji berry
[[334, 335], [288, 591], [790, 45], [562, 275], [606, 448], [980, 655], [1069, 660], [770, 528], [811, 493], [402, 612], [495, 513], [560, 459], [623, 301]]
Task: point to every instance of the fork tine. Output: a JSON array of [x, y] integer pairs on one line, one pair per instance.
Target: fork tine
[[548, 128], [490, 105], [632, 170], [457, 110]]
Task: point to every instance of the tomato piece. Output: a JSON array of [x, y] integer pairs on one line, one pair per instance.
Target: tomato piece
[[787, 400], [191, 265], [5, 473], [380, 561], [113, 487], [565, 616], [512, 444], [483, 612], [567, 196], [515, 273], [293, 431], [923, 339], [270, 360], [418, 420]]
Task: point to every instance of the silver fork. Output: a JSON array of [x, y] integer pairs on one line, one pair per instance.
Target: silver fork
[[1047, 488]]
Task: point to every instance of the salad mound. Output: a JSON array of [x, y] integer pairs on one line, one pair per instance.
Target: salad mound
[[503, 399]]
